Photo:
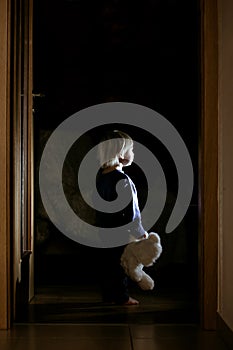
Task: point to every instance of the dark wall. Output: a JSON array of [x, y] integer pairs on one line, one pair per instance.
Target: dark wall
[[88, 52], [147, 52]]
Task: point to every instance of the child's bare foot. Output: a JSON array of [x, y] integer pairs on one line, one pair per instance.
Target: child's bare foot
[[131, 301]]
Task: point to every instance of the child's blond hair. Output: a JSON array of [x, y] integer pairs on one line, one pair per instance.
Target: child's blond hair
[[113, 147]]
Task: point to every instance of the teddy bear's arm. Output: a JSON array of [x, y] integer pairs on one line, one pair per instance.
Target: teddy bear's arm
[[135, 273]]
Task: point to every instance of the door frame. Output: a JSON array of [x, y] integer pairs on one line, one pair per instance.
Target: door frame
[[5, 211], [208, 167], [16, 157]]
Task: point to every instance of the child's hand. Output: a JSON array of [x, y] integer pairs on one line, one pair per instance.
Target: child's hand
[[144, 236], [133, 239]]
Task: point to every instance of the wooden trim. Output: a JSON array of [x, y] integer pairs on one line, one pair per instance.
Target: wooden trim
[[31, 152], [16, 144], [5, 164], [23, 148], [209, 164]]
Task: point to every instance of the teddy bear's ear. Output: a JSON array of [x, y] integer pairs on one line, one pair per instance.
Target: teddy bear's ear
[[154, 237]]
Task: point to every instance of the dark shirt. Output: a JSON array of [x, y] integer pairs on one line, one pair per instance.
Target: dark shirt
[[109, 186]]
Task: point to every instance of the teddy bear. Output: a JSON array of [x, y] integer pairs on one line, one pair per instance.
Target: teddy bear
[[138, 254]]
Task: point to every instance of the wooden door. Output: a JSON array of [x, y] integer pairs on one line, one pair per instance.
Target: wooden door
[[22, 151]]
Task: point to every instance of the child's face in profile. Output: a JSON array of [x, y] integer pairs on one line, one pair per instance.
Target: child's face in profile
[[128, 157]]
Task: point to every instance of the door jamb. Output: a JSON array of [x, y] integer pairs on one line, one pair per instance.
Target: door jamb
[[208, 206], [208, 162], [5, 212]]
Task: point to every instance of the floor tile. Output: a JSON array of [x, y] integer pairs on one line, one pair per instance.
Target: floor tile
[[178, 344], [67, 331], [163, 330], [64, 344], [174, 337], [109, 336]]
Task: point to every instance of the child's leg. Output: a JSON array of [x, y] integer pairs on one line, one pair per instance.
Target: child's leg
[[120, 285], [114, 281]]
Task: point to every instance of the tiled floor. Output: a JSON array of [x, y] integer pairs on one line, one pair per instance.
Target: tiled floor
[[105, 336], [65, 318]]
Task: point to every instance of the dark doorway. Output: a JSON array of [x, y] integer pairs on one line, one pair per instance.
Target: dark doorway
[[90, 52]]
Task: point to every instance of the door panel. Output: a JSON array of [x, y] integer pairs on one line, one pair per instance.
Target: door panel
[[22, 122], [5, 212]]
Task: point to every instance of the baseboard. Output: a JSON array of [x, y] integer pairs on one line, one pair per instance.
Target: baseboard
[[224, 331]]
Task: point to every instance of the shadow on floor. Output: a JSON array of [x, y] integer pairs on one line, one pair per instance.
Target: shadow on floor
[[83, 304]]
